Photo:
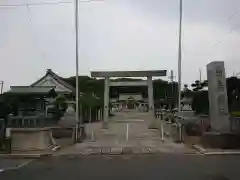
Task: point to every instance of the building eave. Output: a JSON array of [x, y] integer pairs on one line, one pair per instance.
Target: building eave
[[57, 78]]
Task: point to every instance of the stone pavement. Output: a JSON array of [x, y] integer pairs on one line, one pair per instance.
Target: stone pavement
[[128, 133], [89, 150]]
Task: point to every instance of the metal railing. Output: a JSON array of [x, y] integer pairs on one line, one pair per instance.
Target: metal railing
[[39, 121]]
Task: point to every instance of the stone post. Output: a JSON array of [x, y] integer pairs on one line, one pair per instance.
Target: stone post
[[106, 103], [90, 114], [153, 124], [217, 93], [100, 114]]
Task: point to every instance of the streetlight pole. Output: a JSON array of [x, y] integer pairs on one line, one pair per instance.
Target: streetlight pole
[[78, 123], [80, 130], [180, 57]]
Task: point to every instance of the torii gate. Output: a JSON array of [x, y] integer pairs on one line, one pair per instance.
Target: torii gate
[[149, 74]]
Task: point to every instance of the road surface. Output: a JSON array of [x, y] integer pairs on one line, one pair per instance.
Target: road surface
[[139, 167]]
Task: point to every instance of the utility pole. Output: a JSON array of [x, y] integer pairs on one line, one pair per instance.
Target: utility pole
[[180, 56], [200, 75], [171, 77], [2, 82], [80, 129]]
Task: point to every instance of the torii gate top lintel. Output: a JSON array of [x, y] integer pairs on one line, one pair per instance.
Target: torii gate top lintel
[[128, 73]]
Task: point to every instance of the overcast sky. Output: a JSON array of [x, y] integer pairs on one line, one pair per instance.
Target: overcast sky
[[116, 35]]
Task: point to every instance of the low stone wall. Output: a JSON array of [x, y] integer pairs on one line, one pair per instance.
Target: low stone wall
[[38, 121], [185, 113], [176, 132], [31, 138], [63, 132], [221, 140], [235, 124]]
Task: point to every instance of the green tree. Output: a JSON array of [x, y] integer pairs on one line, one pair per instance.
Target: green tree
[[199, 85], [162, 89], [61, 103]]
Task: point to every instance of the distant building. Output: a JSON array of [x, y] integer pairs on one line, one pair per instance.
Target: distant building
[[129, 100], [133, 96]]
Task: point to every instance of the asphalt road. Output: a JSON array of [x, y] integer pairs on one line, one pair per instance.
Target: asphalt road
[[9, 164], [142, 167]]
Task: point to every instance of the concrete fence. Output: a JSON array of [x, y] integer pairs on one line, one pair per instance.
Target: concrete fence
[[30, 121], [2, 129], [235, 124]]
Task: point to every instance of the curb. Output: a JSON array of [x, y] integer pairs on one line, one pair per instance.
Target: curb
[[199, 149], [31, 155], [205, 152], [114, 151], [102, 151]]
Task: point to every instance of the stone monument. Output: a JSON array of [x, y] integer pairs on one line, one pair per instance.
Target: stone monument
[[217, 93], [220, 135]]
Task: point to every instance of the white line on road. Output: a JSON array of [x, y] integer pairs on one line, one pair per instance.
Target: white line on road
[[18, 167]]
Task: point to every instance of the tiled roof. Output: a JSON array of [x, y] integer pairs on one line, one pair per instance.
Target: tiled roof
[[29, 89], [57, 78]]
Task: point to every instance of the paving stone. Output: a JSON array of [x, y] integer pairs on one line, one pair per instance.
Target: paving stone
[[149, 149], [136, 150], [86, 151], [145, 150], [96, 151], [116, 150], [106, 150], [127, 150], [153, 150]]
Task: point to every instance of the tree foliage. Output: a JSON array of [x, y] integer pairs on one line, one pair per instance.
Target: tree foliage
[[233, 92], [200, 98], [88, 85], [200, 103], [199, 85], [61, 103]]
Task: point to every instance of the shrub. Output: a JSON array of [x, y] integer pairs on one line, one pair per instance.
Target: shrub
[[236, 113]]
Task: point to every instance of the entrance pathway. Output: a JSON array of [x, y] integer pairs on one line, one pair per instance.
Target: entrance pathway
[[127, 133]]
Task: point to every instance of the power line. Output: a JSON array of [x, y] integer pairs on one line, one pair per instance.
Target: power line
[[46, 3], [29, 14], [35, 4], [32, 30], [232, 15], [219, 41]]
